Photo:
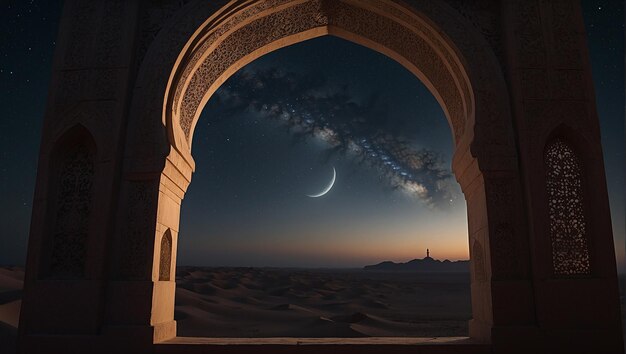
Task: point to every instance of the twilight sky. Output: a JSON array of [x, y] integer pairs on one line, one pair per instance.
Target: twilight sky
[[273, 133]]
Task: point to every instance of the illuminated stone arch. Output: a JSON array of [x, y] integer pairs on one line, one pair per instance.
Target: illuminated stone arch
[[430, 39], [466, 86], [138, 73]]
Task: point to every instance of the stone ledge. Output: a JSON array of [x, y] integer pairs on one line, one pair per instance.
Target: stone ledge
[[386, 345]]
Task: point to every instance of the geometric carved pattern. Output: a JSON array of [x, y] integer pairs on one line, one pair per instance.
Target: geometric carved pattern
[[485, 16], [73, 206], [570, 253], [220, 50], [140, 227], [166, 256], [504, 249], [240, 43]]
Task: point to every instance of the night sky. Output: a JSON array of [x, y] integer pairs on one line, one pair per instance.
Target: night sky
[[273, 134]]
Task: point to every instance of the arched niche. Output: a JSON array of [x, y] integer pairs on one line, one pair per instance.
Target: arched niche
[[583, 159], [71, 183], [165, 259]]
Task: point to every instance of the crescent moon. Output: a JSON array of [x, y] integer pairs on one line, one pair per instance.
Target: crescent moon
[[327, 189]]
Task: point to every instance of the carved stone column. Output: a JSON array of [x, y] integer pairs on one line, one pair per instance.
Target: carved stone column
[[75, 197], [577, 309]]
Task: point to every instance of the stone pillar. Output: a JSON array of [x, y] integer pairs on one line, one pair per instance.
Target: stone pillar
[[173, 184], [140, 302], [553, 98], [77, 182], [499, 254]]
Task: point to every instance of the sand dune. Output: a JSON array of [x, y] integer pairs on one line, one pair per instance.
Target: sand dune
[[11, 283], [271, 302], [252, 302]]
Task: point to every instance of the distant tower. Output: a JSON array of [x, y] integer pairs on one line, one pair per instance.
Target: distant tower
[[427, 253]]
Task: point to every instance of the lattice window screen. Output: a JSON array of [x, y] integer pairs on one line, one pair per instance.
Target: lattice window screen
[[73, 207], [570, 252]]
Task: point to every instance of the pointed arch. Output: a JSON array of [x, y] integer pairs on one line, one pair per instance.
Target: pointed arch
[[199, 48]]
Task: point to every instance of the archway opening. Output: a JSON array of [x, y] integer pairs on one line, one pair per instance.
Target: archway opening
[[484, 159], [285, 260]]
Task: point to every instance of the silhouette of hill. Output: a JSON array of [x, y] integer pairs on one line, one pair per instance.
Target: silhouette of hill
[[427, 264]]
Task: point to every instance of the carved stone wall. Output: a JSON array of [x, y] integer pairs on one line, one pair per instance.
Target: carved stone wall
[[458, 67], [486, 17], [140, 226], [505, 249], [73, 209], [142, 71], [568, 234], [557, 129], [156, 14], [478, 262]]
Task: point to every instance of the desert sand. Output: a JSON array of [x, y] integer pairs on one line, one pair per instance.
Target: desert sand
[[305, 303], [11, 283], [271, 302], [279, 302], [275, 302]]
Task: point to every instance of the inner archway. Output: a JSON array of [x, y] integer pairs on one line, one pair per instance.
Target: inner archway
[[472, 94], [280, 127]]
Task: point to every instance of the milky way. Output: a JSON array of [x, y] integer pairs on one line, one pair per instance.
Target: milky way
[[312, 108]]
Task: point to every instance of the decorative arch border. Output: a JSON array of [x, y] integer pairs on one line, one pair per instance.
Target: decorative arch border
[[430, 39], [199, 48], [216, 51]]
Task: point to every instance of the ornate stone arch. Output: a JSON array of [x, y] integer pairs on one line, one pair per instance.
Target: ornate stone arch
[[458, 66], [199, 48], [131, 72]]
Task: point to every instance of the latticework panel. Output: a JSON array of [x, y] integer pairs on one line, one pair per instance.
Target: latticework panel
[[74, 194], [570, 252]]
